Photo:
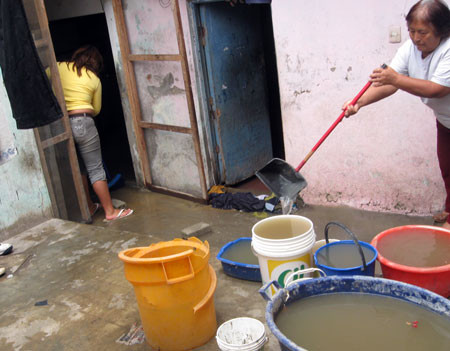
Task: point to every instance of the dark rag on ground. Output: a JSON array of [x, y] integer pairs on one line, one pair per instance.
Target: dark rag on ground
[[239, 201]]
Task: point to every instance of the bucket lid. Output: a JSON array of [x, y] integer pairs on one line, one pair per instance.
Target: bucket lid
[[165, 262]]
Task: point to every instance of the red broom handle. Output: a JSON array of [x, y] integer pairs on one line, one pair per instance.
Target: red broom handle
[[341, 116]]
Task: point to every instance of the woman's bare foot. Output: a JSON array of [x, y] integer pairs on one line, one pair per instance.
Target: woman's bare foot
[[118, 214]]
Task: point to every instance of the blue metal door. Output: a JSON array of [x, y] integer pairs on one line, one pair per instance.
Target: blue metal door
[[239, 108]]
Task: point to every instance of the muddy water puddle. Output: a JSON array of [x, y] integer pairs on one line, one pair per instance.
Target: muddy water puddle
[[344, 322]]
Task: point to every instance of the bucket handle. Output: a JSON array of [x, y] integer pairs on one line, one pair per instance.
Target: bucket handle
[[263, 290], [353, 236], [210, 293], [185, 255], [298, 273]]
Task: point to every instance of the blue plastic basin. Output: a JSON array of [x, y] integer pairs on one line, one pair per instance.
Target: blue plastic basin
[[369, 270], [238, 269]]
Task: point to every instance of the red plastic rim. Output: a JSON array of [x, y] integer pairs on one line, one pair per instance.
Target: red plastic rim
[[384, 261]]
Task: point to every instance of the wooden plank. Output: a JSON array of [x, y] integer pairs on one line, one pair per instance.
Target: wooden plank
[[57, 211], [130, 81], [133, 57], [55, 140], [165, 127], [189, 96]]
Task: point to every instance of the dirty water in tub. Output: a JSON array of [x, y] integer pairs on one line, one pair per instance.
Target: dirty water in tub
[[344, 322], [241, 252], [282, 228], [416, 248], [343, 256]]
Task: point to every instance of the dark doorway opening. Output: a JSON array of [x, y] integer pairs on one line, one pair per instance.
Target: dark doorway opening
[[68, 35], [276, 126]]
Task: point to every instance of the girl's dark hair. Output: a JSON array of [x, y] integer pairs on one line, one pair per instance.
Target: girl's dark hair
[[434, 12], [88, 57]]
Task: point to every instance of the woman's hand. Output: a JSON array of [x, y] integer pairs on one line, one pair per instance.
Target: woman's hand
[[384, 76], [350, 109]]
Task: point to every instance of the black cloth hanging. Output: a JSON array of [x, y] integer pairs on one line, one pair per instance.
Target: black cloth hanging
[[29, 91]]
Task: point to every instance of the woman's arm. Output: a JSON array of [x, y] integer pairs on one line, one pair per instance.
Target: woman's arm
[[418, 87], [97, 99], [373, 94]]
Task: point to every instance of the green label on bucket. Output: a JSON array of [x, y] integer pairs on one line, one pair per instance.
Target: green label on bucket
[[282, 278], [279, 270]]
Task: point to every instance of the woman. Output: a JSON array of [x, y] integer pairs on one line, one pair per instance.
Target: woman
[[83, 95], [421, 67]]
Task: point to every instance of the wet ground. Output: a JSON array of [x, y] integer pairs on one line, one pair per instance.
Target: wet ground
[[65, 289]]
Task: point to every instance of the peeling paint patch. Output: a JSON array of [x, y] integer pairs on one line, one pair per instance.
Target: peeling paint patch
[[166, 87], [28, 328], [302, 91], [333, 197]]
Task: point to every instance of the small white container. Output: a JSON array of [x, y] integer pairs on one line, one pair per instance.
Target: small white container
[[243, 334]]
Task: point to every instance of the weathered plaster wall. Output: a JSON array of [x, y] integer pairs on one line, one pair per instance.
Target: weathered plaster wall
[[24, 199], [383, 158]]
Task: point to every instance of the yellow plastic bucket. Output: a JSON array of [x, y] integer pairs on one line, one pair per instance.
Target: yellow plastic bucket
[[174, 287]]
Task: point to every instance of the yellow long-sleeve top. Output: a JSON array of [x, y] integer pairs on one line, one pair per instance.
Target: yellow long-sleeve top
[[80, 92]]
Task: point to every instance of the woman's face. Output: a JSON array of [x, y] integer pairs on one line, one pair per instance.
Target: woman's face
[[423, 36]]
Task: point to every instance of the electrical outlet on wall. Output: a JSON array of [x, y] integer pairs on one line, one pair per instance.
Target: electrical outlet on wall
[[395, 35]]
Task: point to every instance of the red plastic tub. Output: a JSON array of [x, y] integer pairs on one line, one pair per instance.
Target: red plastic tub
[[436, 278]]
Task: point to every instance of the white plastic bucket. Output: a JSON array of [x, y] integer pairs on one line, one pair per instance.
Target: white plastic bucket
[[288, 253], [243, 333]]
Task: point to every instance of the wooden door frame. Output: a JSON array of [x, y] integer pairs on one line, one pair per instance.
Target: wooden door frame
[[46, 41]]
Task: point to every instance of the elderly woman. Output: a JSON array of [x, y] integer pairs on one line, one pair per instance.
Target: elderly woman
[[421, 67], [83, 95]]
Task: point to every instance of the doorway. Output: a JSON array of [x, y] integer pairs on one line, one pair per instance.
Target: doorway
[[68, 35], [239, 79]]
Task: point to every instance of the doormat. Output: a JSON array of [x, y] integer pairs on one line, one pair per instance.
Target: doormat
[[134, 336]]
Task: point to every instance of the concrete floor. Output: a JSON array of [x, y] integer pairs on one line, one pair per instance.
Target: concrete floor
[[66, 288]]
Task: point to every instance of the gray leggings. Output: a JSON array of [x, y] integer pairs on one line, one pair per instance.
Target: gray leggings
[[88, 147]]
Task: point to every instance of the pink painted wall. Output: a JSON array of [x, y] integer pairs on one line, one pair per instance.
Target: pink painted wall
[[383, 158]]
